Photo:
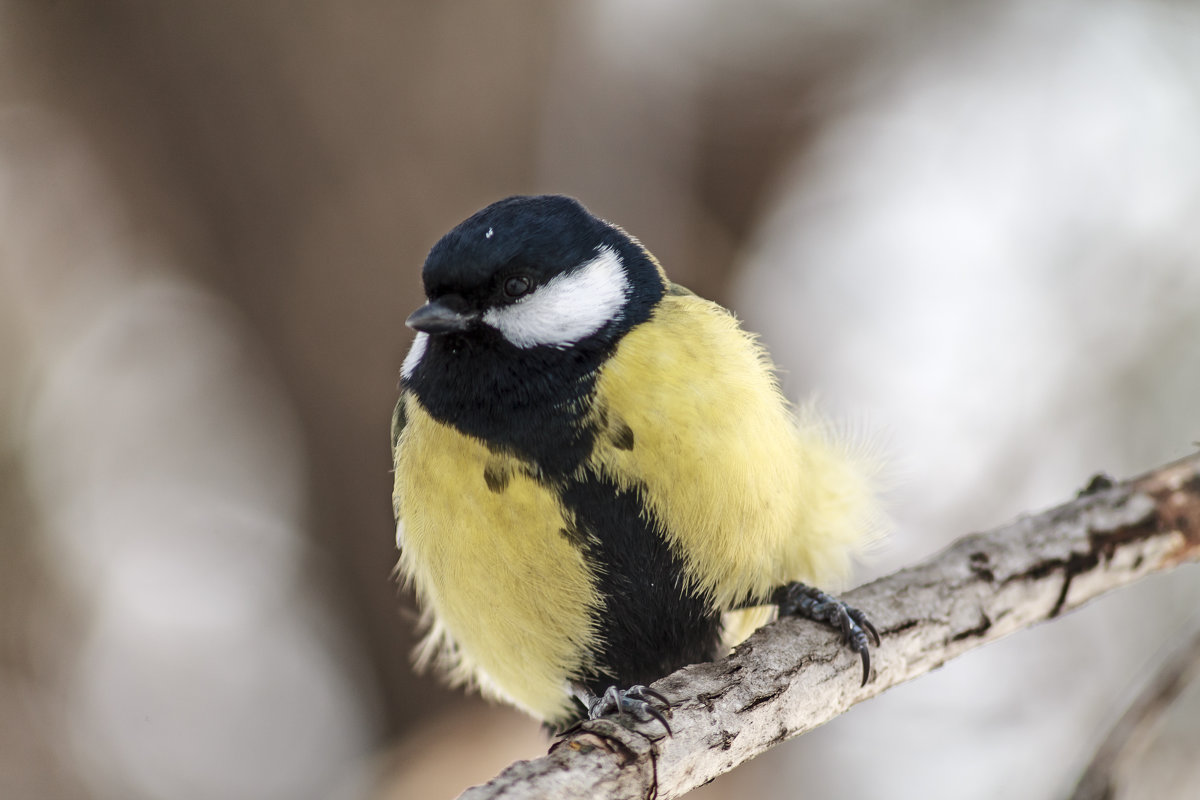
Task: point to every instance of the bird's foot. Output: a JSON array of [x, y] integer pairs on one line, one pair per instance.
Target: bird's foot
[[804, 601], [640, 702]]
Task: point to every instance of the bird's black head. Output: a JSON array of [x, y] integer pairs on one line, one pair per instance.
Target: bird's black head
[[541, 272], [527, 299]]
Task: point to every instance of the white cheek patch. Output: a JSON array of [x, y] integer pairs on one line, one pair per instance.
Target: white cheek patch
[[414, 355], [568, 308]]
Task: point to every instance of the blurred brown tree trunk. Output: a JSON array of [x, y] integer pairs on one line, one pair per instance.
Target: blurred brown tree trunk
[[283, 150]]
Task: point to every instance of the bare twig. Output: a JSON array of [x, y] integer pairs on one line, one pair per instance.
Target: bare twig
[[1130, 734], [793, 676]]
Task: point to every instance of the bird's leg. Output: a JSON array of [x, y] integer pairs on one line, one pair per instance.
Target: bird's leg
[[637, 701], [801, 600]]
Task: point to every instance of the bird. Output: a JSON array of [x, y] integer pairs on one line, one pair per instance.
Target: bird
[[597, 479]]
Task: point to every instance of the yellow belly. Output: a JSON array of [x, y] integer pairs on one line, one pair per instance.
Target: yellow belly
[[509, 598]]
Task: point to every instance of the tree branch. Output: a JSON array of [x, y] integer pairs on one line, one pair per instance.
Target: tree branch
[[1134, 731], [792, 676]]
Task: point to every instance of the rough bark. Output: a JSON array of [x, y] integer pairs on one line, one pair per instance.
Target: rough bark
[[793, 675]]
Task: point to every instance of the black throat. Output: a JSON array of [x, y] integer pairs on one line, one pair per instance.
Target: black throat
[[537, 402], [532, 402]]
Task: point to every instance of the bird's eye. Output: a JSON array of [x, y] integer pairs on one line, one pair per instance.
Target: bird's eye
[[517, 286]]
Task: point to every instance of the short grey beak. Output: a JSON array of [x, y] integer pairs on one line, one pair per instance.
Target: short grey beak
[[434, 317]]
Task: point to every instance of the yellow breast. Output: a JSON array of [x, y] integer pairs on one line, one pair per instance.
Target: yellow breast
[[509, 597]]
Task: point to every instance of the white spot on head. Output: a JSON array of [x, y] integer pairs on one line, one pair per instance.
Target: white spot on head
[[568, 307], [414, 355], [489, 233]]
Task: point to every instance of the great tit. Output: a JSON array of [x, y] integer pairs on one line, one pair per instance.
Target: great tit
[[594, 468]]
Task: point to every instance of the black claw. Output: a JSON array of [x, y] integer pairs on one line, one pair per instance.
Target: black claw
[[805, 601], [658, 715], [637, 701], [861, 620], [646, 691], [866, 623]]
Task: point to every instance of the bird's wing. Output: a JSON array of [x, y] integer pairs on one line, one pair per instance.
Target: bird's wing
[[751, 494], [397, 425], [675, 290]]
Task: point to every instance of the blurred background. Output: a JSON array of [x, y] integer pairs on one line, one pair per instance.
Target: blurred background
[[970, 227]]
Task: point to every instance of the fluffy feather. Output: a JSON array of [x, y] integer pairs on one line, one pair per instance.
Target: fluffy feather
[[586, 492]]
